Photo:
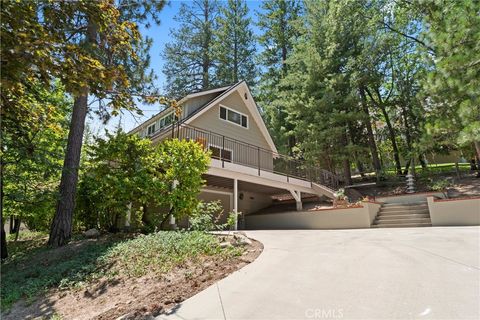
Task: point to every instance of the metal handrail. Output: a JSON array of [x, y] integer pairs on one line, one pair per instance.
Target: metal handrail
[[253, 156]]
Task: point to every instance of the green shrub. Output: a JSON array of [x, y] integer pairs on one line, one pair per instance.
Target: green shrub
[[207, 216], [124, 169]]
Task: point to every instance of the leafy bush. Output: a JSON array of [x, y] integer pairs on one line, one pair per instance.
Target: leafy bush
[[124, 169], [207, 217], [440, 185]]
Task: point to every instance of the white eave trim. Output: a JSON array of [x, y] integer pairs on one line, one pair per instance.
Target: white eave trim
[[201, 93]]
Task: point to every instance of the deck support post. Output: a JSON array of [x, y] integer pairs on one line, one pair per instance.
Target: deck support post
[[172, 222], [235, 201], [297, 195], [129, 215]]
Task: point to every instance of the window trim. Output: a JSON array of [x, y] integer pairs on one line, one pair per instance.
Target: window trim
[[154, 128], [163, 118], [220, 148], [233, 110]]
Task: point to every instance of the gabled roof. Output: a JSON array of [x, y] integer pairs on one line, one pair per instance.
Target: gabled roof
[[251, 106], [202, 93], [158, 115], [224, 92]]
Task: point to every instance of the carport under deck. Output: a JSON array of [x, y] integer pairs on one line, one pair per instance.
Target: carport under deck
[[247, 196]]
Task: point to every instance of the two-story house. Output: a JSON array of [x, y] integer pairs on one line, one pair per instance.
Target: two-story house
[[246, 172]]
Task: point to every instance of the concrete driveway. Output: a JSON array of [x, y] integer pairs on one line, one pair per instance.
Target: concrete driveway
[[410, 273]]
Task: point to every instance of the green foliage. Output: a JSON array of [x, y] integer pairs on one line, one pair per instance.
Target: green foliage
[[189, 57], [340, 194], [234, 46], [30, 274], [453, 87], [26, 276], [232, 220], [160, 252], [33, 142], [122, 169], [60, 41], [207, 216], [440, 185], [277, 23]]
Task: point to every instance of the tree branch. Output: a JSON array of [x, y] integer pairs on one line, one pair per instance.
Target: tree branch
[[389, 27]]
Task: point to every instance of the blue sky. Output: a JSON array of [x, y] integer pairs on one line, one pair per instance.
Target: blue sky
[[160, 35]]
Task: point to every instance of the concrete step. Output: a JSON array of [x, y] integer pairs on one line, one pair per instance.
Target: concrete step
[[402, 216], [395, 208], [402, 225], [393, 204], [402, 221], [411, 211]]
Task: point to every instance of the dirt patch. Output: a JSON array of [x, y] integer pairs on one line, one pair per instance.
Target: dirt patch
[[134, 298]]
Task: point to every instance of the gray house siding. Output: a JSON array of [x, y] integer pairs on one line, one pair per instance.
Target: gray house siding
[[243, 154]]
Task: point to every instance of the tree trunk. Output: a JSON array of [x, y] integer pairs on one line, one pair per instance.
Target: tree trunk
[[391, 132], [3, 235], [477, 148], [61, 229], [347, 172], [407, 166], [17, 228], [206, 50], [371, 138], [4, 240]]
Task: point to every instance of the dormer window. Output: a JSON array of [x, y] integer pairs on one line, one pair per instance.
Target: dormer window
[[151, 129], [236, 117]]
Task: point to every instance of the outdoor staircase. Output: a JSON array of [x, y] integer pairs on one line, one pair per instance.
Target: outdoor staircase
[[398, 215], [323, 190]]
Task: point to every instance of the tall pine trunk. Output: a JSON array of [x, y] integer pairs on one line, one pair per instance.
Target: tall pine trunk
[[347, 172], [391, 131], [61, 228], [408, 135], [371, 138], [391, 134], [206, 54], [3, 235]]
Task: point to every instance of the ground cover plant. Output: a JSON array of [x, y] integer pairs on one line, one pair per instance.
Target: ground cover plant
[[111, 257]]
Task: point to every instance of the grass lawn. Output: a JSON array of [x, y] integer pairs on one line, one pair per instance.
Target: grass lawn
[[33, 270], [436, 168]]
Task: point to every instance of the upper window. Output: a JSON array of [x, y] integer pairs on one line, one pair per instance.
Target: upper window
[[234, 116], [167, 120], [161, 123], [151, 129]]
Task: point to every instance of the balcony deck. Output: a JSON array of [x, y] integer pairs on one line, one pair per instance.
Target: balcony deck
[[235, 159]]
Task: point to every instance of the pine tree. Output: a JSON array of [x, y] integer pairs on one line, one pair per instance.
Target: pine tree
[[234, 45], [93, 48], [453, 84], [189, 57], [277, 23]]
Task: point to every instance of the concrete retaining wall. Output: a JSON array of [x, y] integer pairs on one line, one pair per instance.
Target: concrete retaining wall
[[403, 198], [346, 218], [454, 212]]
